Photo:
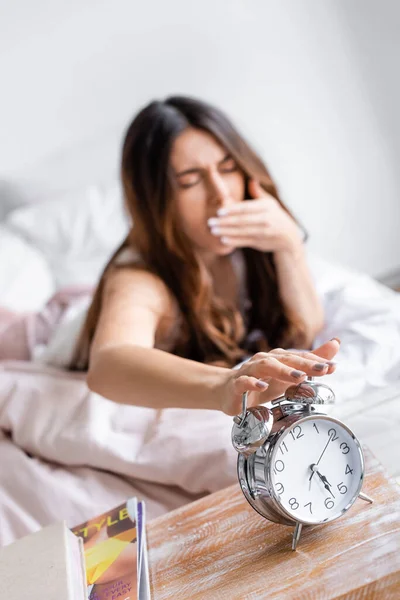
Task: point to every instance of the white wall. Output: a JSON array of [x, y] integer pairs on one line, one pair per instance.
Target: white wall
[[73, 73]]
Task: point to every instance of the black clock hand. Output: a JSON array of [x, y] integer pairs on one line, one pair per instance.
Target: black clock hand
[[313, 465], [325, 482], [311, 476], [323, 451], [328, 489]]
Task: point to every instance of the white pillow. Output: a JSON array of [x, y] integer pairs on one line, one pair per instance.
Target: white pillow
[[26, 282], [76, 232]]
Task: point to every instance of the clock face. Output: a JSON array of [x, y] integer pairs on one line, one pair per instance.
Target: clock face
[[316, 469]]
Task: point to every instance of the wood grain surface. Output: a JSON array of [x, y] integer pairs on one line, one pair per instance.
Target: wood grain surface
[[219, 548]]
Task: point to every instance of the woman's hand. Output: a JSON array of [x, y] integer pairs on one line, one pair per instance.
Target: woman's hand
[[260, 223], [268, 374]]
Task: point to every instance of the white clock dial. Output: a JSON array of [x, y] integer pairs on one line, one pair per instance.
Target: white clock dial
[[316, 469]]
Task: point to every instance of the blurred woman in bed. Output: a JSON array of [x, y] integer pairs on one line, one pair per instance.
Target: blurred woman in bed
[[213, 273]]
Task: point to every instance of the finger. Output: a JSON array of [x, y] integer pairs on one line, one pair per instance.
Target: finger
[[311, 356], [255, 189], [246, 383], [328, 349], [244, 242], [269, 367], [279, 352], [241, 385], [248, 231], [246, 206], [259, 217], [311, 364]]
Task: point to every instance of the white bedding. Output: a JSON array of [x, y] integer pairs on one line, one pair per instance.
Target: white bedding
[[76, 231], [26, 281], [68, 453]]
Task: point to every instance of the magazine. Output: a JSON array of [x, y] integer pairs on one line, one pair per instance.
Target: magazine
[[143, 566], [116, 553]]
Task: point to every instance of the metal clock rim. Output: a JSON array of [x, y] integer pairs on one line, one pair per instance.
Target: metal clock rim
[[273, 513]]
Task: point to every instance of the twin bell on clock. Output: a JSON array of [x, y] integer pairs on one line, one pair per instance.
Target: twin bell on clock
[[297, 465]]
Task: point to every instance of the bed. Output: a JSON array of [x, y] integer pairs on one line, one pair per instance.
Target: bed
[[68, 453]]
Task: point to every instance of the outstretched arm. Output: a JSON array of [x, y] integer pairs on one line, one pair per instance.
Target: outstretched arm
[[126, 368]]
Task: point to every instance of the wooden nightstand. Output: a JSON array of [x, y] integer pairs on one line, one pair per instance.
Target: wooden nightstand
[[221, 549]]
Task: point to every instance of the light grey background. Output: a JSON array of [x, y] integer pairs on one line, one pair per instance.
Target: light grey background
[[313, 85]]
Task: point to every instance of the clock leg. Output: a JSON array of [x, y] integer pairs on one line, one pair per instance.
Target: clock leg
[[365, 497], [296, 535]]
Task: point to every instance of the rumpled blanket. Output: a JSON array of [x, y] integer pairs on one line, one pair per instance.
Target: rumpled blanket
[[67, 453]]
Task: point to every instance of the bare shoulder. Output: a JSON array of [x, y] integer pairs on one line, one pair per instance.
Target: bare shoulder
[[138, 287], [134, 302]]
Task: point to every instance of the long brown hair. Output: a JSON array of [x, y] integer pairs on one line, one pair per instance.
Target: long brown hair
[[212, 331]]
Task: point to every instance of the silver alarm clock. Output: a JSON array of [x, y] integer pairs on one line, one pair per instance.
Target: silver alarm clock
[[296, 465]]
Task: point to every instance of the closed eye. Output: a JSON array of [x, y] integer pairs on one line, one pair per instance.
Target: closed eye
[[228, 165], [191, 177], [188, 180]]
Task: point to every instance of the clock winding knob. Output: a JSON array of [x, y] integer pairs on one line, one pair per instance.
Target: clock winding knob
[[308, 392], [251, 429]]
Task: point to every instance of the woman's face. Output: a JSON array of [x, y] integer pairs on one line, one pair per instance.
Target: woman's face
[[207, 178]]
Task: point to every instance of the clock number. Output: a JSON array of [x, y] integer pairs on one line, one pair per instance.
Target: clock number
[[348, 470], [299, 434], [308, 504], [342, 488], [334, 436], [316, 428], [329, 503], [280, 447], [281, 488], [294, 505], [279, 466], [345, 447]]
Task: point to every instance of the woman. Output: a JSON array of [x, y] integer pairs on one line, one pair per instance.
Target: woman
[[212, 272]]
